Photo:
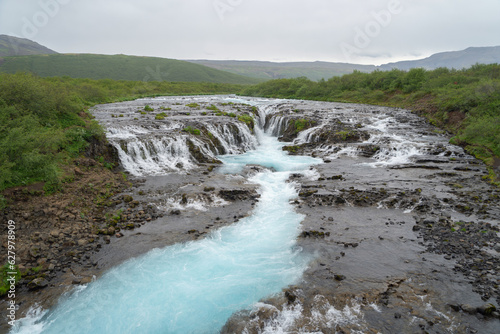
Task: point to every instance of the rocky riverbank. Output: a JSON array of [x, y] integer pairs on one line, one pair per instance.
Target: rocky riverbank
[[404, 235], [103, 215], [402, 228]]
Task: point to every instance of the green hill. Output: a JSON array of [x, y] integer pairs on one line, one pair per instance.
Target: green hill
[[14, 46], [119, 67], [267, 70]]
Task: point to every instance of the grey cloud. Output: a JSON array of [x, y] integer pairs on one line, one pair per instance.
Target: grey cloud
[[285, 30]]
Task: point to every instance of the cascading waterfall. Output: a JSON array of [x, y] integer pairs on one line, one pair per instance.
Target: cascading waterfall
[[276, 125], [235, 138], [308, 135], [154, 155], [157, 151], [195, 287]]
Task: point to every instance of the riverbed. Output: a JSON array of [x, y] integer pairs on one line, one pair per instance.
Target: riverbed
[[331, 217]]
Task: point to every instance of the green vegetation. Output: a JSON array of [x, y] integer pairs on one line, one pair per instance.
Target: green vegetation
[[44, 123], [247, 119], [265, 70], [192, 130], [302, 124], [193, 105], [160, 116], [5, 281], [213, 108], [119, 67], [148, 108], [464, 102]]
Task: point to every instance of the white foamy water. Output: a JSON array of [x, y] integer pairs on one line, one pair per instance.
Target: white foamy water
[[195, 287]]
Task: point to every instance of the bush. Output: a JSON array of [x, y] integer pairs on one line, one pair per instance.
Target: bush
[[4, 283], [160, 116], [248, 120], [192, 130]]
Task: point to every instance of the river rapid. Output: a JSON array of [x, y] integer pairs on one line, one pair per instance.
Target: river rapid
[[315, 218]]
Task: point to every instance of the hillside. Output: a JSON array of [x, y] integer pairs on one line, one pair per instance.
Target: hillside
[[119, 67], [14, 46], [453, 59], [269, 70], [325, 70]]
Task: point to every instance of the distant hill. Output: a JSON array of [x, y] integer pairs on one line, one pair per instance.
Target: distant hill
[[14, 46], [453, 59], [19, 54], [270, 70], [317, 70], [119, 67]]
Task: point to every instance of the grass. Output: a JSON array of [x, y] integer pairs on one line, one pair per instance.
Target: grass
[[302, 124], [5, 284], [160, 116], [192, 130], [119, 67], [248, 120]]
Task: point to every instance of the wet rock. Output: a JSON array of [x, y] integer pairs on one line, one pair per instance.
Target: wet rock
[[497, 247], [307, 193], [368, 150], [236, 194], [486, 309], [468, 308], [38, 283], [314, 234], [290, 296], [339, 277]]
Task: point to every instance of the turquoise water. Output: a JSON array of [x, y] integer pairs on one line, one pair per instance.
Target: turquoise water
[[195, 287]]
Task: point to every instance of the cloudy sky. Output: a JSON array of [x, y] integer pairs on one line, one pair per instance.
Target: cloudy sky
[[356, 31]]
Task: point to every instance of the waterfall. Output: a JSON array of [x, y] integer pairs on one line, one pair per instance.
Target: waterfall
[[276, 124], [195, 287], [157, 150]]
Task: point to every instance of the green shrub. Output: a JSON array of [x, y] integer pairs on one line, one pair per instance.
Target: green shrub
[[192, 130], [148, 108], [247, 119], [4, 277], [160, 116], [302, 124]]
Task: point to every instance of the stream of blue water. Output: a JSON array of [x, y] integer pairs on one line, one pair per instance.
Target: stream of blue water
[[195, 287]]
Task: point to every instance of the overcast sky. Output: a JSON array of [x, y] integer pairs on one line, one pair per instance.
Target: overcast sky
[[356, 31]]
